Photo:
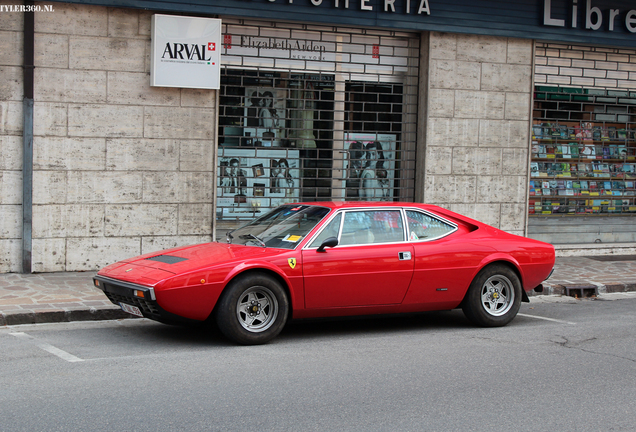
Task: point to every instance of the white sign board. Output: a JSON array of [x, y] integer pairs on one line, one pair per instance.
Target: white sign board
[[185, 52]]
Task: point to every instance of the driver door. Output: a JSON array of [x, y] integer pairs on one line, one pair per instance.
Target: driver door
[[372, 264]]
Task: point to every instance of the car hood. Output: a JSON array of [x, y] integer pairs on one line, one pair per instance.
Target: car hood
[[152, 268]]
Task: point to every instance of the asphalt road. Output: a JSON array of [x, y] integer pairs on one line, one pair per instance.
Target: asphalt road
[[556, 367]]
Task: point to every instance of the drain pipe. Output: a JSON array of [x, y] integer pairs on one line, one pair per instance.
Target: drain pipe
[[27, 138]]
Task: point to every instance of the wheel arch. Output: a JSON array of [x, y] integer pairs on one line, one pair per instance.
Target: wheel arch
[[262, 270], [505, 261]]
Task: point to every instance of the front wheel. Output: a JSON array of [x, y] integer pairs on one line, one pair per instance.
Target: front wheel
[[252, 310], [494, 297]]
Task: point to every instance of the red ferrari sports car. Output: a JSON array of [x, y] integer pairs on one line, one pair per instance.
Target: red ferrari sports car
[[327, 259]]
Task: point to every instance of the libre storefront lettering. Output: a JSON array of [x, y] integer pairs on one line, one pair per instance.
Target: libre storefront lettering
[[365, 5], [593, 16]]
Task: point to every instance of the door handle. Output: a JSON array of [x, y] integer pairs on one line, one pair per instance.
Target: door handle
[[404, 256]]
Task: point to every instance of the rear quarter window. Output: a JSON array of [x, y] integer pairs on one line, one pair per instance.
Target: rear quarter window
[[423, 226]]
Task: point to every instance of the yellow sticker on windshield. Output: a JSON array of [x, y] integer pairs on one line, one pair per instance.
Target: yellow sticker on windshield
[[292, 262], [293, 238]]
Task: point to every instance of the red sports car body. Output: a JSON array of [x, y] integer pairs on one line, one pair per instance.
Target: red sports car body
[[334, 259]]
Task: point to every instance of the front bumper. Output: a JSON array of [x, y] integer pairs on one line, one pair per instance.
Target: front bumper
[[132, 294], [142, 297]]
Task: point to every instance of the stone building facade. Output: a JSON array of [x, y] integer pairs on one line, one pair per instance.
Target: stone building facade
[[121, 168], [477, 127]]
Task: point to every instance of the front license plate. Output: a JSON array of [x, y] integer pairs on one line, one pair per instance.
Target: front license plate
[[131, 309]]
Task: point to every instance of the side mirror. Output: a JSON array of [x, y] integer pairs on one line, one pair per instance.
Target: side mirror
[[328, 242]]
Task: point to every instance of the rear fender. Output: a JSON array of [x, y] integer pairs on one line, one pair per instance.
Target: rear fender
[[508, 261], [504, 259]]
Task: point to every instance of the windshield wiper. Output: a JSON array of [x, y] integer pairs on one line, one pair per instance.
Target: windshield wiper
[[252, 236]]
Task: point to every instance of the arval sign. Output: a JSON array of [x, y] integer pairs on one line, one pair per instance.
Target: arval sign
[[185, 52]]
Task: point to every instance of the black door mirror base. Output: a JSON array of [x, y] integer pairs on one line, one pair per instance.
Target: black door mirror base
[[328, 242]]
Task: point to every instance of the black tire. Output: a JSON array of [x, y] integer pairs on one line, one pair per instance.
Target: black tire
[[494, 297], [252, 309]]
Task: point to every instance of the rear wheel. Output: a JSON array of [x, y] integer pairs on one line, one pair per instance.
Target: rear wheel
[[494, 297], [252, 310]]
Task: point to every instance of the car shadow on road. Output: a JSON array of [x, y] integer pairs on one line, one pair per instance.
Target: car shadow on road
[[207, 335], [374, 325]]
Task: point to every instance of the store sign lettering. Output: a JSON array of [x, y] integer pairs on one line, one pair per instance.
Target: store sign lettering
[[365, 5], [301, 50], [175, 51], [281, 44], [594, 17]]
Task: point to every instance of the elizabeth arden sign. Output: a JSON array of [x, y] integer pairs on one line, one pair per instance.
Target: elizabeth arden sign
[[185, 52]]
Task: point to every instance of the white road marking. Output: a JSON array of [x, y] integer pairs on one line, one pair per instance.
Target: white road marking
[[546, 319], [48, 348]]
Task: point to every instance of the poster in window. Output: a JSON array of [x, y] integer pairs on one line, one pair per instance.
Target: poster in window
[[370, 166], [265, 116], [233, 176]]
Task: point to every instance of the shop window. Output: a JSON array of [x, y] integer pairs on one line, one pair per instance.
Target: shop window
[[327, 126], [583, 155]]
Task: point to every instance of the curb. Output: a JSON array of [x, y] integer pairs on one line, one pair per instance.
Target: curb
[[598, 288], [57, 316]]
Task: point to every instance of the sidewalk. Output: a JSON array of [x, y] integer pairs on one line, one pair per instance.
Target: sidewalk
[[70, 296], [607, 274]]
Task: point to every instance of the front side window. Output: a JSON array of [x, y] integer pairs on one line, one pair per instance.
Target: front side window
[[283, 227], [331, 230], [425, 227], [371, 227]]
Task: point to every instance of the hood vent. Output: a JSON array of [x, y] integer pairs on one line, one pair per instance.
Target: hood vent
[[167, 259]]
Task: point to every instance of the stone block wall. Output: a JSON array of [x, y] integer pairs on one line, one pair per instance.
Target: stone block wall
[[11, 96], [479, 96], [120, 168]]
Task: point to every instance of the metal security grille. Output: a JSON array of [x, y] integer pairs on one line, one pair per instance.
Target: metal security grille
[[584, 131], [314, 113]]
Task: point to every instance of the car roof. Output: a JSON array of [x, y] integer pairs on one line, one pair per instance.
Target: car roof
[[363, 204], [440, 211]]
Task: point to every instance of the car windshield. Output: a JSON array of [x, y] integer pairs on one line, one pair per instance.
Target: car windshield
[[284, 227]]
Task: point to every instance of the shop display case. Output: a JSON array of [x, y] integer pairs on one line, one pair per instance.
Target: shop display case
[[582, 168]]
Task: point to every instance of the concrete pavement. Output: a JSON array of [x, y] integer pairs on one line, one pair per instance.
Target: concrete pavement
[[70, 296]]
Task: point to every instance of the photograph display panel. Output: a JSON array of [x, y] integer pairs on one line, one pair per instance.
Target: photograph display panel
[[370, 166], [252, 181]]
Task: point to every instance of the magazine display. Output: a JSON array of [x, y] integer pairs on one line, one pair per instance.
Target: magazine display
[[583, 168]]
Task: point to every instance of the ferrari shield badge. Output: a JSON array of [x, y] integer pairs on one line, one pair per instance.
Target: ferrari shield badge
[[292, 262]]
